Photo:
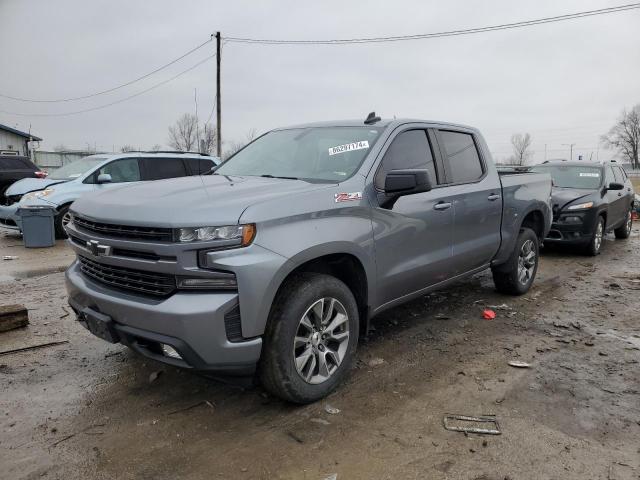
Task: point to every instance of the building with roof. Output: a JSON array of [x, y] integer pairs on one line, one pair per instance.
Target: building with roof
[[15, 142]]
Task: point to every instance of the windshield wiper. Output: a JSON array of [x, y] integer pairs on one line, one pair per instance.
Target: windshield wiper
[[276, 176]]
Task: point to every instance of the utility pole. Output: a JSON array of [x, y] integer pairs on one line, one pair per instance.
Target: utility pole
[[570, 145], [545, 152], [218, 99]]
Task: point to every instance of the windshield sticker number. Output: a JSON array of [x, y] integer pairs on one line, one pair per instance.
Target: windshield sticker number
[[587, 174], [348, 147], [347, 197]]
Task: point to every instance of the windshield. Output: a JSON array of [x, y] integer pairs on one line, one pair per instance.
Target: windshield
[[330, 154], [76, 168], [572, 176]]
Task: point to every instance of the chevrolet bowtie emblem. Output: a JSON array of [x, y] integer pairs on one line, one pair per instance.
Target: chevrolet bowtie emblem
[[98, 250]]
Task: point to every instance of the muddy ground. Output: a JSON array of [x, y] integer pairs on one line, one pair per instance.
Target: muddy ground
[[86, 409]]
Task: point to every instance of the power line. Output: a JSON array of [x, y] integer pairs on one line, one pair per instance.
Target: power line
[[113, 89], [112, 103], [451, 33]]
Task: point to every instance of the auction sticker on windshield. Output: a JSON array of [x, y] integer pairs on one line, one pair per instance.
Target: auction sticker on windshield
[[348, 147], [347, 197], [589, 174]]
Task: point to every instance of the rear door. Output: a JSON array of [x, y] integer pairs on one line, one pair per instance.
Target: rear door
[[162, 168], [413, 233], [476, 197], [625, 195]]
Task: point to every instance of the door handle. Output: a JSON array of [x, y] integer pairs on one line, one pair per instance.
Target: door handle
[[442, 205], [493, 197]]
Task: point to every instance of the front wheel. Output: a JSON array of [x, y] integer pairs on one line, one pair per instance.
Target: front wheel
[[515, 276], [311, 338], [595, 244], [60, 221], [624, 230]]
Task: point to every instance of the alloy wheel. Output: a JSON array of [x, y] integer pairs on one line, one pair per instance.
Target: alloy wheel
[[526, 262], [321, 340], [597, 241]]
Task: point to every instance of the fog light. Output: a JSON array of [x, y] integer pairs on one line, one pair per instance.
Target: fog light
[[169, 351], [218, 281]]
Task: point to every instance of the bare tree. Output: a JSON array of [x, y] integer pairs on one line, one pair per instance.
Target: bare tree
[[183, 135], [60, 148], [209, 139], [156, 148], [521, 144], [127, 148], [624, 136], [236, 146]]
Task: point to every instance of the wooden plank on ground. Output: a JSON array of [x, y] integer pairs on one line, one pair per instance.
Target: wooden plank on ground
[[13, 316]]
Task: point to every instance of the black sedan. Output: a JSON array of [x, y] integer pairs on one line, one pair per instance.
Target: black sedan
[[589, 200]]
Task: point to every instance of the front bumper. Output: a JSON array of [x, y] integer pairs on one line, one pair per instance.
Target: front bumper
[[193, 323], [572, 227]]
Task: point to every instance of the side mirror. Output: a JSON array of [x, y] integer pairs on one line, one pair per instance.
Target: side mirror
[[615, 186], [407, 182], [104, 178]]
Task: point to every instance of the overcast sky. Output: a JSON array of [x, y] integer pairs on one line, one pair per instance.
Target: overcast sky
[[564, 82]]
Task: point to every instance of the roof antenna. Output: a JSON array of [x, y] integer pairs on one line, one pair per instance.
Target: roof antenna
[[371, 119]]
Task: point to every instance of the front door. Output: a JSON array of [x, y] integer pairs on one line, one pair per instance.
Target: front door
[[412, 234]]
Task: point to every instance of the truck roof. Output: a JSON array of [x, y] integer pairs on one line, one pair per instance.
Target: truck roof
[[572, 163], [385, 122]]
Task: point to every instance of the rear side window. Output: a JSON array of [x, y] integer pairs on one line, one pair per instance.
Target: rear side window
[[198, 166], [461, 157], [15, 163], [160, 168], [409, 149]]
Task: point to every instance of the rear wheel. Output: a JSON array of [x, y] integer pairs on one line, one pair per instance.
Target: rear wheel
[[311, 338], [595, 244], [624, 230], [60, 221], [515, 276]]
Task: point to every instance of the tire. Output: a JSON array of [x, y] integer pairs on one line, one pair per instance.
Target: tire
[[594, 246], [60, 220], [624, 230], [282, 366], [516, 275]]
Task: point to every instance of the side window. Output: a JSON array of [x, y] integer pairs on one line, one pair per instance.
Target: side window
[[409, 149], [620, 174], [125, 170], [160, 168], [461, 157], [198, 166], [609, 176]]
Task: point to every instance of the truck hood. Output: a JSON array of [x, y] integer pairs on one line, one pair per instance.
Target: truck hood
[[187, 202], [564, 196], [27, 185]]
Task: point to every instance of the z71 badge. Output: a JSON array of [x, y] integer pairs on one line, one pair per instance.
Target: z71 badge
[[347, 197]]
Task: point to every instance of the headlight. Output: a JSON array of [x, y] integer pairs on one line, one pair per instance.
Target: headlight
[[580, 206], [229, 236], [38, 194]]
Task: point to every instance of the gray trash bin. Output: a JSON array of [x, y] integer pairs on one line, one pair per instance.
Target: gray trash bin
[[37, 226]]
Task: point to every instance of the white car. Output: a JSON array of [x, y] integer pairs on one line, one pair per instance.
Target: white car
[[92, 174]]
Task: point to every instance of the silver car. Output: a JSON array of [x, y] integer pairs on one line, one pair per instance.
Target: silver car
[[93, 174]]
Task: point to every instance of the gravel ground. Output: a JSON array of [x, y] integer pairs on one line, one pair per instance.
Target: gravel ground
[[86, 409]]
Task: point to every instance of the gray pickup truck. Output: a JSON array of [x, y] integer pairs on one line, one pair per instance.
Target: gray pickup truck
[[273, 265]]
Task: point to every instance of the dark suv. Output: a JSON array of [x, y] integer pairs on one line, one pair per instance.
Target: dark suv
[[14, 168], [589, 199]]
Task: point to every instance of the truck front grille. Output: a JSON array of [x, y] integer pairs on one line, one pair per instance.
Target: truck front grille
[[124, 231], [128, 279]]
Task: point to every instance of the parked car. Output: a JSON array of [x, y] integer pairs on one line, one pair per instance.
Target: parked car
[[94, 174], [14, 168], [589, 200], [276, 262]]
